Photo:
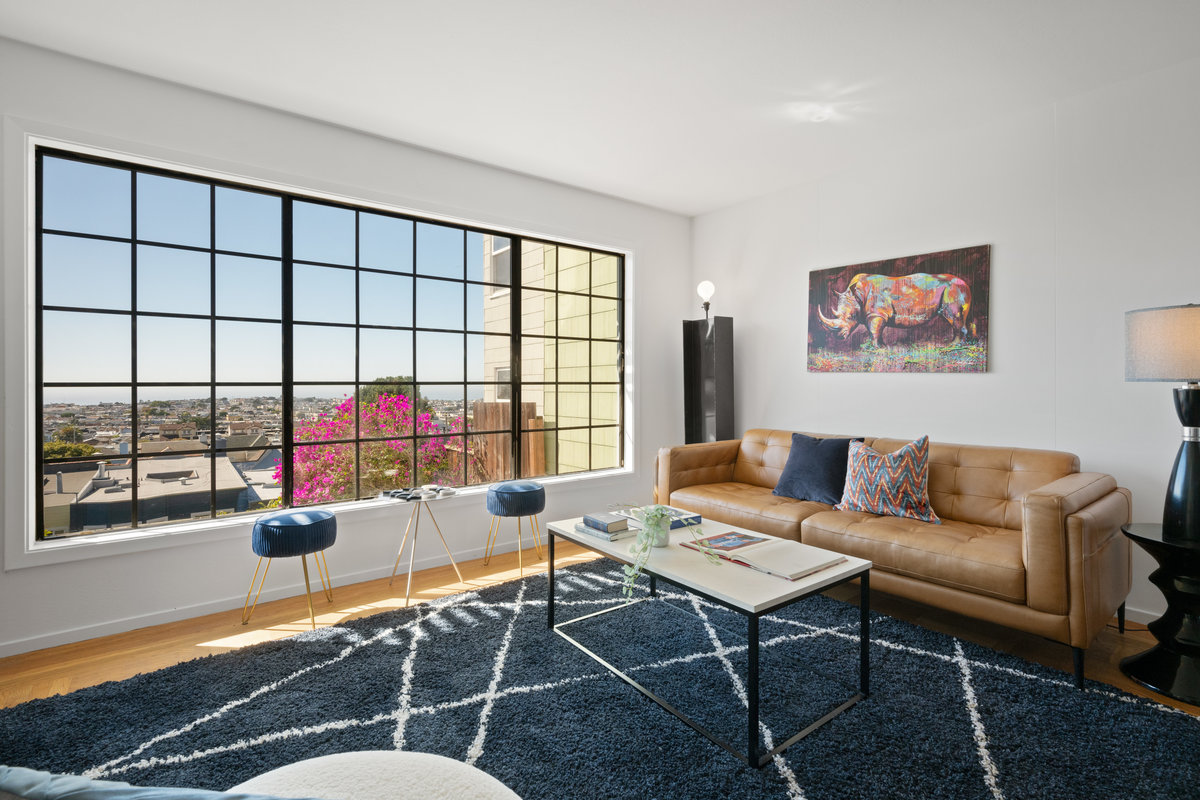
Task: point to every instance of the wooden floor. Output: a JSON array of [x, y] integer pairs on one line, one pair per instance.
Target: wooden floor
[[58, 670]]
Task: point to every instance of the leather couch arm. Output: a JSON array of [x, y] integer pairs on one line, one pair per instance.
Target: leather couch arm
[[691, 464], [1046, 550]]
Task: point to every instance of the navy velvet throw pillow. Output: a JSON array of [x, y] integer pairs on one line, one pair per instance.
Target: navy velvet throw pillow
[[815, 469]]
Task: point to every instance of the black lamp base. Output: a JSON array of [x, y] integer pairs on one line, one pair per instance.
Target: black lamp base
[[1181, 512]]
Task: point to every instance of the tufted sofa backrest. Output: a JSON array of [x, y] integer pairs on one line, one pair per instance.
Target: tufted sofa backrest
[[970, 483]]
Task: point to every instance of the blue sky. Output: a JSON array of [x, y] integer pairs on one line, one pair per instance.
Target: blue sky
[[94, 199]]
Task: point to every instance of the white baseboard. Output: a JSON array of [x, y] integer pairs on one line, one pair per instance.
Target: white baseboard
[[82, 633]]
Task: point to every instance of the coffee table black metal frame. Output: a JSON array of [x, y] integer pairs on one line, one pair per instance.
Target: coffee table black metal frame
[[752, 756]]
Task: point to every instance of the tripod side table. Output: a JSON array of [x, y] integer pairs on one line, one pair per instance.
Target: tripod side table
[[419, 503]]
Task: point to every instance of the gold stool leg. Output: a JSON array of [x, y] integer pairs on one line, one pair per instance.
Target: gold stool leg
[[537, 544], [520, 542], [308, 591], [326, 578], [493, 532], [247, 614]]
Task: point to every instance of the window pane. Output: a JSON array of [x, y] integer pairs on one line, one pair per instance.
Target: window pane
[[604, 274], [605, 451], [250, 419], [439, 250], [178, 488], [533, 403], [538, 313], [440, 460], [442, 410], [604, 318], [385, 465], [66, 355], [173, 211], [574, 406], [323, 473], [573, 270], [249, 351], [384, 354], [490, 458], [539, 453], [322, 353], [85, 198], [322, 413], [249, 287], [604, 361], [606, 405], [75, 496], [174, 349], [82, 421], [539, 265], [322, 294], [486, 356], [573, 315], [485, 412], [476, 256], [385, 242], [489, 258], [322, 233], [174, 419], [385, 299], [439, 304], [534, 364], [573, 361], [89, 273], [249, 222], [439, 357], [387, 409], [572, 451], [477, 307], [173, 280]]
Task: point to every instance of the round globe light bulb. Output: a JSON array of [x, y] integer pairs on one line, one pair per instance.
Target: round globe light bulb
[[705, 290]]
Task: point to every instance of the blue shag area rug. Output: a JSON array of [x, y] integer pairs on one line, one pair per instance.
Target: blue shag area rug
[[478, 677]]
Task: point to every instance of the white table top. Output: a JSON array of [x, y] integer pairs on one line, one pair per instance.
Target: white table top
[[739, 586]]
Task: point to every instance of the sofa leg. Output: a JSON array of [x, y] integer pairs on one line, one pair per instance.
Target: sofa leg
[[1077, 652], [1121, 618]]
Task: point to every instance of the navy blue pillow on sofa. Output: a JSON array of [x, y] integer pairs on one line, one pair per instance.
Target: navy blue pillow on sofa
[[815, 469]]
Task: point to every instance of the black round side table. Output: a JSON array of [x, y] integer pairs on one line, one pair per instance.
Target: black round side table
[[1171, 667]]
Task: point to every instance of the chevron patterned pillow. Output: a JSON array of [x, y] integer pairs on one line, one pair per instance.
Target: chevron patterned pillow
[[892, 484]]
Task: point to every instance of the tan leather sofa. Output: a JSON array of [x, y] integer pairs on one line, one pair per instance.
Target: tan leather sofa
[[1026, 540]]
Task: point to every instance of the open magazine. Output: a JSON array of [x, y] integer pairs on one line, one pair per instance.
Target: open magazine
[[781, 557]]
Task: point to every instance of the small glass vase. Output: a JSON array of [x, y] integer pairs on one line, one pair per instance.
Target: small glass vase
[[659, 533]]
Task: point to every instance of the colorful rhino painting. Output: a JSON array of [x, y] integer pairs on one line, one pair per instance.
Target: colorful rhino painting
[[888, 317]]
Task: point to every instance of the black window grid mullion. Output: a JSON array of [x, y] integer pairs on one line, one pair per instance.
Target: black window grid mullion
[[287, 390], [414, 465], [591, 333], [134, 454], [516, 331], [39, 398], [357, 376], [212, 303]]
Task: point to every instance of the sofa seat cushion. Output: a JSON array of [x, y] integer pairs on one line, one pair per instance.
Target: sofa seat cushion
[[961, 555], [748, 506]]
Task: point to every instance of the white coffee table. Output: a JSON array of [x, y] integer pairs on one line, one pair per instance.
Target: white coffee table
[[740, 589]]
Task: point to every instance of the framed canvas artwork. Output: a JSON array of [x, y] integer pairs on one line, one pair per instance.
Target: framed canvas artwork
[[924, 313]]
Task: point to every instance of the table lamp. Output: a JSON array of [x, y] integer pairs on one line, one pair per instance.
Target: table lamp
[[1163, 344]]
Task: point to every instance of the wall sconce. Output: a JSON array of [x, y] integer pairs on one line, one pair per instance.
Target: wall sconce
[[705, 289]]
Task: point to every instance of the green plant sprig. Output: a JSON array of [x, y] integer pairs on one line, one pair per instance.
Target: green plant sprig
[[651, 517]]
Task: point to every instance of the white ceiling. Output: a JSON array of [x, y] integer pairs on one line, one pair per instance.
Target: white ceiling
[[687, 105]]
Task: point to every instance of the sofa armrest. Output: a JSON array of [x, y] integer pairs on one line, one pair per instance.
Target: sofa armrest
[[691, 464], [1044, 521]]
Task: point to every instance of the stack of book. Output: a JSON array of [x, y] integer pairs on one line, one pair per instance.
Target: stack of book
[[609, 527]]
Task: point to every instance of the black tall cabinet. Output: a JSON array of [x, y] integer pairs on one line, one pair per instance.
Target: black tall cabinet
[[708, 379]]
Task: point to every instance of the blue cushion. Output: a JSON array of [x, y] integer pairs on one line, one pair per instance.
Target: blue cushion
[[294, 532], [815, 469], [516, 499], [30, 784]]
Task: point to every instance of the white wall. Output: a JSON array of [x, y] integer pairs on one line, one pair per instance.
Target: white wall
[[1091, 208], [51, 93]]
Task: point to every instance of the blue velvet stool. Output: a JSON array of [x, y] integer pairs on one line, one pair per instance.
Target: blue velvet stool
[[515, 499], [296, 532]]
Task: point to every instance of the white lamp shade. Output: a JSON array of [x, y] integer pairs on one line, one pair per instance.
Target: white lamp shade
[[1163, 344], [705, 289]]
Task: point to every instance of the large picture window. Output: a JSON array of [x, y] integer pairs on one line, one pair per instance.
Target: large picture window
[[206, 348]]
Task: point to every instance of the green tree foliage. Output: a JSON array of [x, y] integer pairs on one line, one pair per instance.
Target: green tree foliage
[[70, 434], [395, 385], [67, 450]]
